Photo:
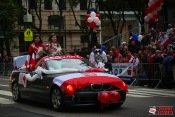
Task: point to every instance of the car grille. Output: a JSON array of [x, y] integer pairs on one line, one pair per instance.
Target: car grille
[[98, 87], [101, 86]]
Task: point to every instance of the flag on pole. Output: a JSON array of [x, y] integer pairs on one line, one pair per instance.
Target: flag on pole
[[27, 62], [165, 41], [32, 62]]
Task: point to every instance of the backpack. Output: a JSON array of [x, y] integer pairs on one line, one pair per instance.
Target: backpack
[[98, 55]]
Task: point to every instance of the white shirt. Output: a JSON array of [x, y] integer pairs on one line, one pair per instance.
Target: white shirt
[[92, 58], [136, 62]]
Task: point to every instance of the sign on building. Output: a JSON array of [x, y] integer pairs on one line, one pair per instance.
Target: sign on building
[[28, 35]]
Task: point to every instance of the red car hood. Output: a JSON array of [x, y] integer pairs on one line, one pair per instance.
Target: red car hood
[[73, 81]]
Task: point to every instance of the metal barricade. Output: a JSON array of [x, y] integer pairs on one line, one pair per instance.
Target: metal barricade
[[6, 68], [149, 73]]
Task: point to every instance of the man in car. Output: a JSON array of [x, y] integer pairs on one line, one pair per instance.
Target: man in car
[[98, 57]]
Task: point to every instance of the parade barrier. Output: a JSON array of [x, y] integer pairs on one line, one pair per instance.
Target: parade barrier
[[150, 74], [124, 71], [6, 68]]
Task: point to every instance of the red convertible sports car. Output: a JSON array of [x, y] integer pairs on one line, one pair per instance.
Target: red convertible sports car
[[67, 81]]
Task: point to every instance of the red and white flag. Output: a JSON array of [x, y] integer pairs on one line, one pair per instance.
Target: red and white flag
[[165, 41], [27, 62], [32, 62]]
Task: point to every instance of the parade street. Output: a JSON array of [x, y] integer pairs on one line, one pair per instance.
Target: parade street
[[139, 101]]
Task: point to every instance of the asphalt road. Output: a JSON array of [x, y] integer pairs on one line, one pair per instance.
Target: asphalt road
[[138, 103]]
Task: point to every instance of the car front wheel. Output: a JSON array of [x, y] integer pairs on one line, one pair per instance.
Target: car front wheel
[[56, 99], [16, 93]]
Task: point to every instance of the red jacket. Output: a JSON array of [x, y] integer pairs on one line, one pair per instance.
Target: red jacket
[[33, 48]]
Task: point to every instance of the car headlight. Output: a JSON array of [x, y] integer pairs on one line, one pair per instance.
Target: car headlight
[[70, 89]]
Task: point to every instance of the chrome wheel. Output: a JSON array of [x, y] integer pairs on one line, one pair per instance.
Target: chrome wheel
[[56, 99], [16, 93]]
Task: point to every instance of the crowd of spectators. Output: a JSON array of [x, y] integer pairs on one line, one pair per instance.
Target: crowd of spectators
[[155, 47]]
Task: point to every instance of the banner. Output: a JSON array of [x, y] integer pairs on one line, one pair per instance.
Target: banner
[[123, 70]]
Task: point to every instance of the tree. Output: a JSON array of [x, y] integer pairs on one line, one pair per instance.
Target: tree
[[9, 11], [36, 5], [86, 32], [139, 7], [114, 11]]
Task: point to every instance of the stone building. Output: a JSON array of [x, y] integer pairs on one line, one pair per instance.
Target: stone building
[[69, 34]]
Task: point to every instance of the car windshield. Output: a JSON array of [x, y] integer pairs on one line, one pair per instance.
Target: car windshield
[[65, 63]]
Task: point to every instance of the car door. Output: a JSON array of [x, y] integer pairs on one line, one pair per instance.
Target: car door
[[40, 87]]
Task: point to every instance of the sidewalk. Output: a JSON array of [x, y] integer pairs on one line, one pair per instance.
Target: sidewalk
[[5, 77]]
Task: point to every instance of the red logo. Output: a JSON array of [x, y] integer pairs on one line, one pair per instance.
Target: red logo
[[152, 110]]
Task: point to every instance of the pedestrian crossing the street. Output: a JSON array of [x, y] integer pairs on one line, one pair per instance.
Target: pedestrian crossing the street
[[150, 92]]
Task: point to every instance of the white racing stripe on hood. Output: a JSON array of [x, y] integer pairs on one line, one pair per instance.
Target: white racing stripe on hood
[[60, 79]]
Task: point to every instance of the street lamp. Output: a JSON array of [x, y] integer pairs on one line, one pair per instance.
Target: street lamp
[[27, 17]]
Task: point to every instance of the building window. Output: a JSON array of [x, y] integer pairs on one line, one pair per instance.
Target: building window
[[83, 4], [84, 38], [55, 22], [83, 21], [63, 5], [32, 4], [47, 5]]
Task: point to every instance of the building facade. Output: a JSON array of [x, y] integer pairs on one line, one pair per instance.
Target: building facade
[[69, 34]]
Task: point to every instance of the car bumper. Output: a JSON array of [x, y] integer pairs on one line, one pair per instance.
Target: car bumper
[[89, 98]]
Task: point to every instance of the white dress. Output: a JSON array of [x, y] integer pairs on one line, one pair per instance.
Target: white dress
[[53, 48]]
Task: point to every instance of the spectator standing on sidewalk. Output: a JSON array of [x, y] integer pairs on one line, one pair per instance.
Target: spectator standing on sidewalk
[[169, 70], [6, 61]]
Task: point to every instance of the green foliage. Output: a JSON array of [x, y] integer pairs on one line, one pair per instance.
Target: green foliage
[[9, 11], [74, 3]]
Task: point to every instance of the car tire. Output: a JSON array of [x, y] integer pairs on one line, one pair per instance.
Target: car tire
[[16, 93], [57, 99]]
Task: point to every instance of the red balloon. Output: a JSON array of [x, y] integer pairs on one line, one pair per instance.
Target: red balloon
[[161, 1], [152, 20], [98, 15], [157, 5], [87, 23], [114, 96], [87, 16], [103, 97], [93, 25]]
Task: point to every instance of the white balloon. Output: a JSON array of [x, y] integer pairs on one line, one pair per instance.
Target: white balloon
[[150, 15], [149, 4], [140, 38], [92, 14], [90, 19], [98, 23], [146, 18], [95, 19]]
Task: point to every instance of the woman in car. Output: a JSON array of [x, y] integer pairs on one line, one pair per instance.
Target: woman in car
[[36, 49], [53, 47]]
